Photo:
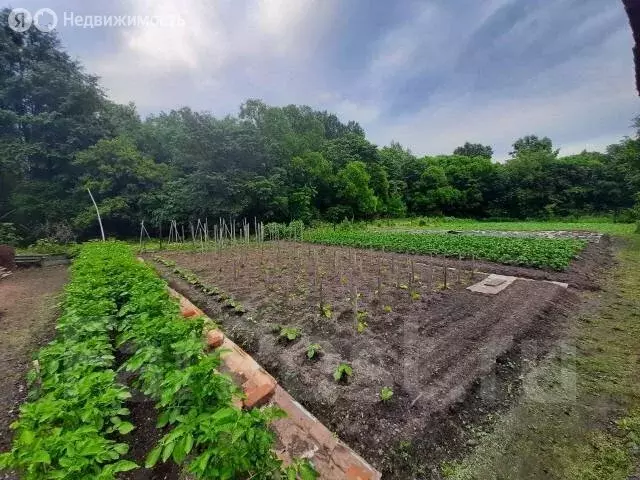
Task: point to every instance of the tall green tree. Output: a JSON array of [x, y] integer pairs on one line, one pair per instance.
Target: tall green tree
[[125, 183], [474, 150], [353, 184], [49, 109], [531, 143]]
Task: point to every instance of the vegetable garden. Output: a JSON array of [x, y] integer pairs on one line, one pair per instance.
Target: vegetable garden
[[381, 346], [384, 344], [75, 424]]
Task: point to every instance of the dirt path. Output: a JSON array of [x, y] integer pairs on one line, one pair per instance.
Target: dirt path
[[28, 313]]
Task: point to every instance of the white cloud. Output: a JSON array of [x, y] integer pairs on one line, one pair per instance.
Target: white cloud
[[281, 51], [587, 102], [223, 46]]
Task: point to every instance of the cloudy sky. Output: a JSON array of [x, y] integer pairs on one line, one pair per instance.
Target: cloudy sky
[[430, 74]]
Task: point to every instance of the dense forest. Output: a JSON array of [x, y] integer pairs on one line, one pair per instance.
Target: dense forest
[[60, 134]]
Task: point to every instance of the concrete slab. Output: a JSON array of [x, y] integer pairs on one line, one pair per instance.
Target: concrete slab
[[493, 284]]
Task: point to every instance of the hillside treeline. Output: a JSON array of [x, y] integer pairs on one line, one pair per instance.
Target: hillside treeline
[[60, 134]]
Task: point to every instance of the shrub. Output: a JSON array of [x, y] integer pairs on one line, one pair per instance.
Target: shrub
[[9, 235]]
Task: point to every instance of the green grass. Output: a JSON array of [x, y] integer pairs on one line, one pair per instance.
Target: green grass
[[579, 417], [532, 252], [591, 224]]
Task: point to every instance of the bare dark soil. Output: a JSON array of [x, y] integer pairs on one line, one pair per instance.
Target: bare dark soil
[[28, 314], [143, 439], [452, 357]]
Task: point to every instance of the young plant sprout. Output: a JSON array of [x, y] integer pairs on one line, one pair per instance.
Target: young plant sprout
[[290, 333], [314, 350], [362, 324], [386, 393], [342, 372]]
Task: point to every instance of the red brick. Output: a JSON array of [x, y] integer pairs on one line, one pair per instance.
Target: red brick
[[355, 472], [349, 462], [323, 436], [258, 389], [215, 338]]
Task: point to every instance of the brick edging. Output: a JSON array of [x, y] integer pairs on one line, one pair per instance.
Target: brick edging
[[299, 434]]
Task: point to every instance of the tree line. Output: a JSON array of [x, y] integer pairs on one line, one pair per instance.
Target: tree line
[[60, 134]]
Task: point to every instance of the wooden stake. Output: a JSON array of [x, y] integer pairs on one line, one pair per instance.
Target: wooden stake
[[445, 273], [98, 213]]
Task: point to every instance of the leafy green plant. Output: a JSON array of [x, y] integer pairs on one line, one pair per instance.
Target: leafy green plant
[[300, 469], [326, 310], [386, 393], [387, 309], [342, 372], [290, 333], [314, 350], [534, 252], [71, 425], [362, 323], [8, 234]]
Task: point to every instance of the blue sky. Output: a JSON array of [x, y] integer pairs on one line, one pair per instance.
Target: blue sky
[[429, 74]]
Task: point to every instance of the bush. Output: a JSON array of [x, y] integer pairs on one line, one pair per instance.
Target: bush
[[8, 235], [47, 246]]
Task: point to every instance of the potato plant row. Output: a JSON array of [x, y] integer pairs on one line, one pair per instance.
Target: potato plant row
[[72, 423], [529, 252], [71, 427]]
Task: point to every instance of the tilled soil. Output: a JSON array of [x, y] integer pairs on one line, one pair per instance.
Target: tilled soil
[[451, 356], [28, 312]]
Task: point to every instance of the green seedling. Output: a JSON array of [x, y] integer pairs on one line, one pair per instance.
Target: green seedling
[[387, 309], [342, 372], [386, 393], [290, 333], [314, 350], [362, 326], [327, 311]]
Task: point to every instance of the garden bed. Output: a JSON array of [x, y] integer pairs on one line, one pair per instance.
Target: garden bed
[[449, 355], [27, 320]]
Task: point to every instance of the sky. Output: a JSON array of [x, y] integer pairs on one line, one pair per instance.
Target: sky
[[429, 74]]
